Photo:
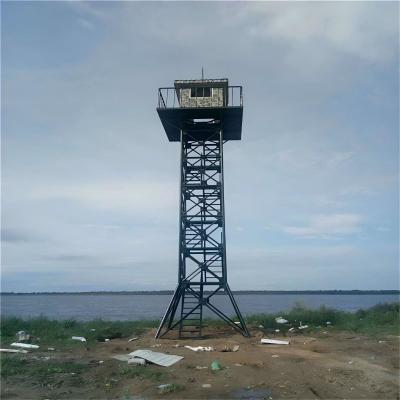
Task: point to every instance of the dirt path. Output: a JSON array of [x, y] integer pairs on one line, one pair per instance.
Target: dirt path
[[322, 366]]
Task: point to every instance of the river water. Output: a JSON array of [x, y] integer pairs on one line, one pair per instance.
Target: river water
[[85, 307]]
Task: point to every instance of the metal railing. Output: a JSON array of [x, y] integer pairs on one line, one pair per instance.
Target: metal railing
[[168, 98]]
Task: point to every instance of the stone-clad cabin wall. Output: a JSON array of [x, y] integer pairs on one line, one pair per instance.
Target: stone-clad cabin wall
[[216, 99]]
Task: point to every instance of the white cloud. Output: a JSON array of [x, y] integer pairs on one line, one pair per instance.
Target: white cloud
[[328, 225], [362, 29], [138, 197]]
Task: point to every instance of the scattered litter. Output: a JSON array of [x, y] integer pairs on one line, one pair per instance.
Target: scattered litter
[[275, 356], [136, 361], [25, 345], [261, 326], [200, 367], [200, 348], [350, 362], [238, 365], [129, 359], [382, 341], [156, 345], [291, 329], [165, 388], [216, 366], [228, 349], [22, 336], [79, 338], [51, 349], [12, 351], [132, 339], [273, 341], [328, 323], [101, 362], [206, 385], [277, 330], [122, 357], [106, 340], [237, 322], [281, 320], [303, 326], [165, 360]]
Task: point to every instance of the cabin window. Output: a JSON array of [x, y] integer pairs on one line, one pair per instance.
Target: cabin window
[[200, 92]]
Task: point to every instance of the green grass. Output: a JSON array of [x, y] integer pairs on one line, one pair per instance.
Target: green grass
[[379, 319], [142, 372], [49, 332]]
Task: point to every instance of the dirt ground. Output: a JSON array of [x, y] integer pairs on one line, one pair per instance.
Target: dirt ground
[[324, 365]]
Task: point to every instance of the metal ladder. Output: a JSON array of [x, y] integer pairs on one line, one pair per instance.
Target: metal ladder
[[190, 327]]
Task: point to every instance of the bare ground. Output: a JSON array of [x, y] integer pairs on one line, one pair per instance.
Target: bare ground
[[324, 365]]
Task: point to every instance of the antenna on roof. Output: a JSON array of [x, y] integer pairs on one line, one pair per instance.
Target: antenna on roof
[[202, 73]]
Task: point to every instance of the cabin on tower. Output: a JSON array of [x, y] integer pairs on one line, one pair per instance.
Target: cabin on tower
[[191, 103]]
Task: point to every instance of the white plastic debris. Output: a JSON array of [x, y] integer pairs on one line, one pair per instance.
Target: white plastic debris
[[275, 356], [129, 359], [12, 351], [106, 340], [303, 326], [101, 361], [22, 336], [273, 341], [136, 361], [25, 345], [261, 326], [200, 348], [235, 348], [328, 323], [51, 349], [281, 320], [206, 385], [277, 330], [93, 330], [79, 338], [237, 322], [200, 367], [165, 360], [291, 329], [132, 339]]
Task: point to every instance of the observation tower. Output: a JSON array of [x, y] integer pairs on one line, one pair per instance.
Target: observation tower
[[202, 115]]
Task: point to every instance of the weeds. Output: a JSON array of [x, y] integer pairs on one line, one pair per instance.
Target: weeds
[[380, 319]]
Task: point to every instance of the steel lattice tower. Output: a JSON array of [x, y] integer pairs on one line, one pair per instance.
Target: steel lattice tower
[[202, 115]]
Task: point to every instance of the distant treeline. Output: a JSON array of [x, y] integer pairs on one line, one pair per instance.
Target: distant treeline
[[238, 292]]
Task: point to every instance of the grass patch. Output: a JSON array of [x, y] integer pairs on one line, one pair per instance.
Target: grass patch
[[11, 365], [379, 319], [141, 372], [49, 332]]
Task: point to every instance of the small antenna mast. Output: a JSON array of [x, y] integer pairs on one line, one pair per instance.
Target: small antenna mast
[[202, 74]]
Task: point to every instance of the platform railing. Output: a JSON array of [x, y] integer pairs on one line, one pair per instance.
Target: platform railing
[[168, 98]]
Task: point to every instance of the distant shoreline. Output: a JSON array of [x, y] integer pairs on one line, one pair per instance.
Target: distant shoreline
[[237, 292]]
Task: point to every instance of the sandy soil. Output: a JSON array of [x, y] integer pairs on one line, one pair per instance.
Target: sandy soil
[[326, 365]]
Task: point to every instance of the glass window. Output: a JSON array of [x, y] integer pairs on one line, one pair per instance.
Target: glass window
[[200, 92]]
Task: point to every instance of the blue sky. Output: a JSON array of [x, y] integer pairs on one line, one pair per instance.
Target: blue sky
[[90, 182]]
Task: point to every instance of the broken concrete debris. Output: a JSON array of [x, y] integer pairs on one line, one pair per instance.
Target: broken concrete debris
[[273, 341]]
